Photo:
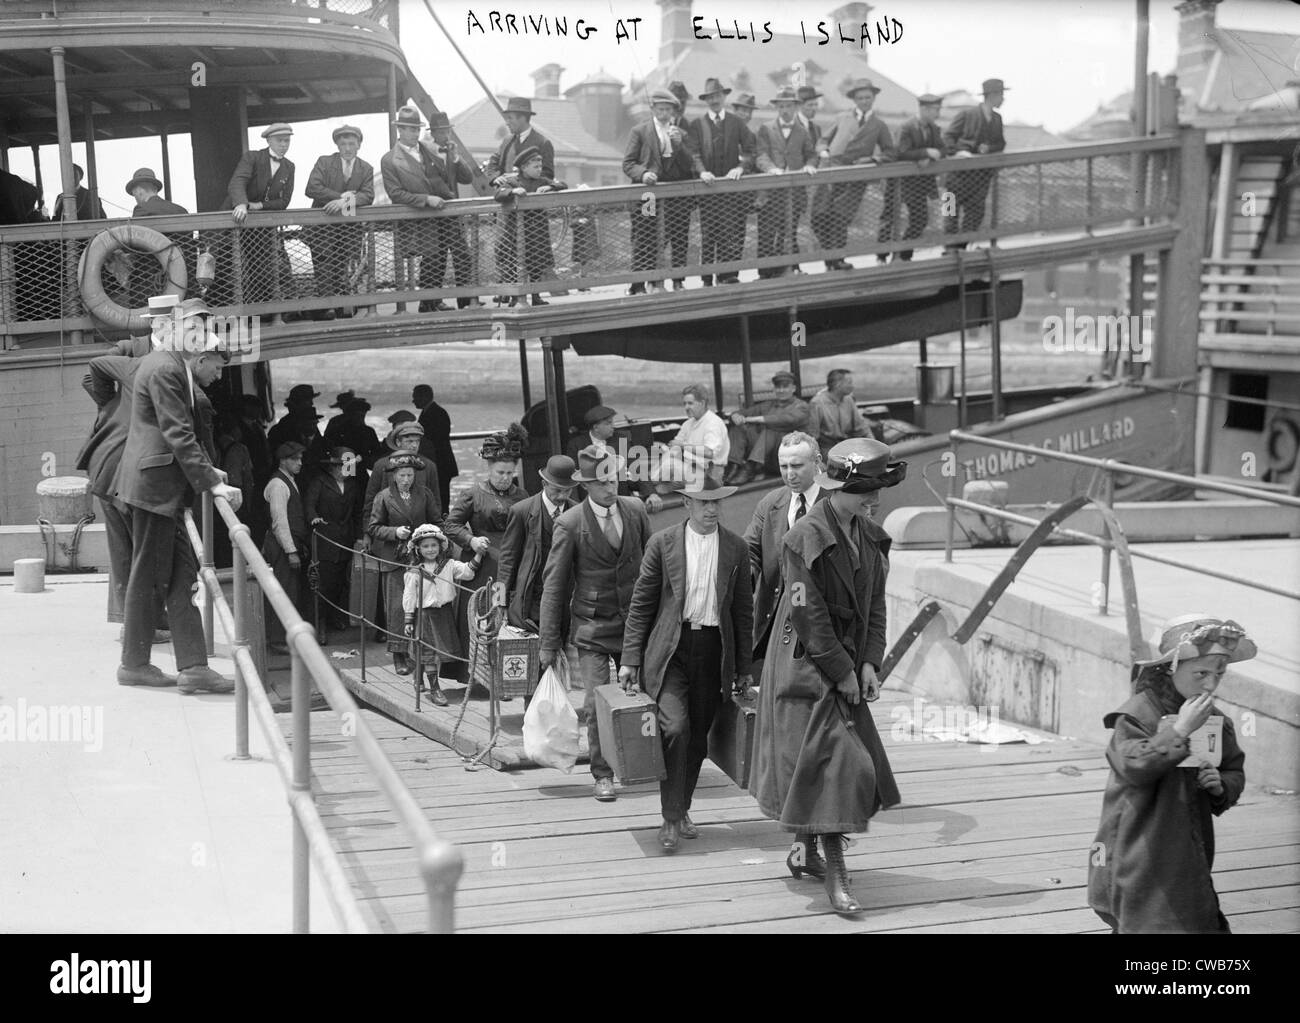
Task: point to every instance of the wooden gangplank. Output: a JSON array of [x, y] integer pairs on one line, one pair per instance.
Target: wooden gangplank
[[988, 839]]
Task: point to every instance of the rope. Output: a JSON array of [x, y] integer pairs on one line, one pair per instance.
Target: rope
[[484, 629], [383, 561]]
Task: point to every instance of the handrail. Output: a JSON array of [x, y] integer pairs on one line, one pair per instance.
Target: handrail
[[1108, 466], [440, 863]]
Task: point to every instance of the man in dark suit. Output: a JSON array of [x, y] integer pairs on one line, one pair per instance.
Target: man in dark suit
[[784, 147], [527, 543], [722, 146], [162, 466], [519, 120], [857, 137], [339, 184], [919, 142], [657, 150], [145, 278], [974, 132], [689, 636], [591, 571], [435, 445], [263, 181], [777, 511], [88, 208], [416, 176], [808, 97]]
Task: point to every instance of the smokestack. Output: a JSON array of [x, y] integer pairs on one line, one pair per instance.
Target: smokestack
[[675, 32], [546, 81], [1196, 44]]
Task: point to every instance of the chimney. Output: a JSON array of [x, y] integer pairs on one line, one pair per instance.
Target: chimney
[[675, 31], [546, 81], [1196, 44], [599, 99], [851, 14]]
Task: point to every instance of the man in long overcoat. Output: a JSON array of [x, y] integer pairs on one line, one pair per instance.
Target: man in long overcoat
[[530, 530]]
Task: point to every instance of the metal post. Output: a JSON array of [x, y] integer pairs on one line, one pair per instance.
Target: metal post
[[361, 618], [418, 673], [995, 343], [166, 163], [392, 105], [794, 352], [523, 375], [240, 569], [552, 399], [718, 397], [209, 638], [952, 492], [300, 680], [1108, 496], [92, 171], [1140, 121], [961, 301], [746, 363], [70, 294]]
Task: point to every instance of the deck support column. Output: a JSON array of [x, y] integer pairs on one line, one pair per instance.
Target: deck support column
[[70, 300], [746, 363], [1178, 300]]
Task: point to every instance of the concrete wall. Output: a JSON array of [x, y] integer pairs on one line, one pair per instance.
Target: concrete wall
[[1060, 671]]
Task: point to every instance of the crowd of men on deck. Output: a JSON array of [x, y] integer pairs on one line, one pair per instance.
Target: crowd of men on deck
[[424, 170]]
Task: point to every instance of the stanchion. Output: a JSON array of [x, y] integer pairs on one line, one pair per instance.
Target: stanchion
[[240, 569], [301, 696], [209, 637]]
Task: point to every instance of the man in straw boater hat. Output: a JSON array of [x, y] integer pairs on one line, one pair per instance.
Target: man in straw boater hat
[[856, 137], [919, 142], [163, 464], [1175, 765], [590, 573], [530, 531], [340, 184], [784, 147], [973, 132], [658, 150], [688, 641], [416, 175], [722, 147], [263, 180], [811, 773]]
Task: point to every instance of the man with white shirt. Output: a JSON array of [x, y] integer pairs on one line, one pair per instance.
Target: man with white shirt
[[774, 516], [658, 150], [590, 573], [600, 434], [286, 544], [687, 641], [701, 445], [263, 181]]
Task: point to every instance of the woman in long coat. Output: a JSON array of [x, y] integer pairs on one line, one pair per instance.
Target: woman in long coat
[[479, 515], [333, 504], [396, 513], [820, 768]]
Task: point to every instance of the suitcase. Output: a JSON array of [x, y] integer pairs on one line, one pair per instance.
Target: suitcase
[[364, 580], [629, 734], [731, 739]]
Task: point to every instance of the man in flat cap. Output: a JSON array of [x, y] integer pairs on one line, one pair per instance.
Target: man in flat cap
[[722, 147], [287, 546], [657, 150], [263, 180], [784, 147], [973, 132], [856, 137], [756, 431], [919, 142], [339, 184], [416, 175]]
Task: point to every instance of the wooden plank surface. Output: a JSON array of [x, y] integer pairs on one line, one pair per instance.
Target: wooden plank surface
[[988, 840]]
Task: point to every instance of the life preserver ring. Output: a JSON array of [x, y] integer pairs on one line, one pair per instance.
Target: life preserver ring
[[137, 238], [1283, 445]]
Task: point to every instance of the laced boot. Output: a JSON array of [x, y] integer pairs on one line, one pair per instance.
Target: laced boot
[[804, 858], [837, 877]]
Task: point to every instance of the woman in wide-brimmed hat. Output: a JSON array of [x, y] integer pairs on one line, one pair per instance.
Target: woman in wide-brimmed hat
[[1174, 766], [398, 510], [819, 765]]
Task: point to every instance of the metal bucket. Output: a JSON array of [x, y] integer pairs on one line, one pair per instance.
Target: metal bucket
[[935, 382]]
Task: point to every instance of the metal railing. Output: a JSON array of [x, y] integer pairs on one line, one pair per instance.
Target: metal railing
[[1107, 467], [307, 262], [439, 862], [1251, 298]]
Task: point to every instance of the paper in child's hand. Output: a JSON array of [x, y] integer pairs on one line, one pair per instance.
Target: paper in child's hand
[[1206, 742]]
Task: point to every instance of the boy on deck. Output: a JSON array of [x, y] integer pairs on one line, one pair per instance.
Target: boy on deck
[[538, 257]]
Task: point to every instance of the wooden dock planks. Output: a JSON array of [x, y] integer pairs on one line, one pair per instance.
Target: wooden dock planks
[[988, 840]]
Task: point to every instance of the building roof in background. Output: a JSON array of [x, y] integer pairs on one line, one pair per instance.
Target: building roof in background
[[481, 128], [1249, 67]]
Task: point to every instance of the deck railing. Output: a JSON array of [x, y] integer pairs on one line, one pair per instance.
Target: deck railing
[[303, 262], [1251, 299], [438, 862]]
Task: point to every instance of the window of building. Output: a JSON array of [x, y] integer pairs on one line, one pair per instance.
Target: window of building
[[1242, 415]]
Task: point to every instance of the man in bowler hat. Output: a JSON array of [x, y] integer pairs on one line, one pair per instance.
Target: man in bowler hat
[[526, 545], [973, 132]]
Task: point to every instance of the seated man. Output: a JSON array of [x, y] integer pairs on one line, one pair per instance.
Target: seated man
[[701, 445], [833, 413], [756, 431]]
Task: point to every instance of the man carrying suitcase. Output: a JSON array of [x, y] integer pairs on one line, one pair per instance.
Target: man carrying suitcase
[[689, 636]]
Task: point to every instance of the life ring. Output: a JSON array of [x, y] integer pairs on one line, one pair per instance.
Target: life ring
[[136, 238], [1283, 445]]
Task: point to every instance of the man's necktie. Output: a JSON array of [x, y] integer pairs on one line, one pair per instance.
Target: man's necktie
[[611, 531], [555, 515], [802, 509]]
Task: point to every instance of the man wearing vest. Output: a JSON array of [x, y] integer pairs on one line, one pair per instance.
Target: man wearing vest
[[722, 146], [658, 150], [591, 571], [918, 142], [784, 147], [974, 132], [286, 545], [263, 181], [339, 184], [857, 137]]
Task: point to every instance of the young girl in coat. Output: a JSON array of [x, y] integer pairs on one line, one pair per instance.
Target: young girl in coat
[[429, 603], [1149, 868]]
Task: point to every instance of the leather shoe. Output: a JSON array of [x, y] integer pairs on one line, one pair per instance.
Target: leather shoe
[[470, 303], [402, 664], [145, 675], [604, 791], [161, 636], [433, 307], [437, 697], [669, 835], [743, 475], [201, 678], [687, 827]]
